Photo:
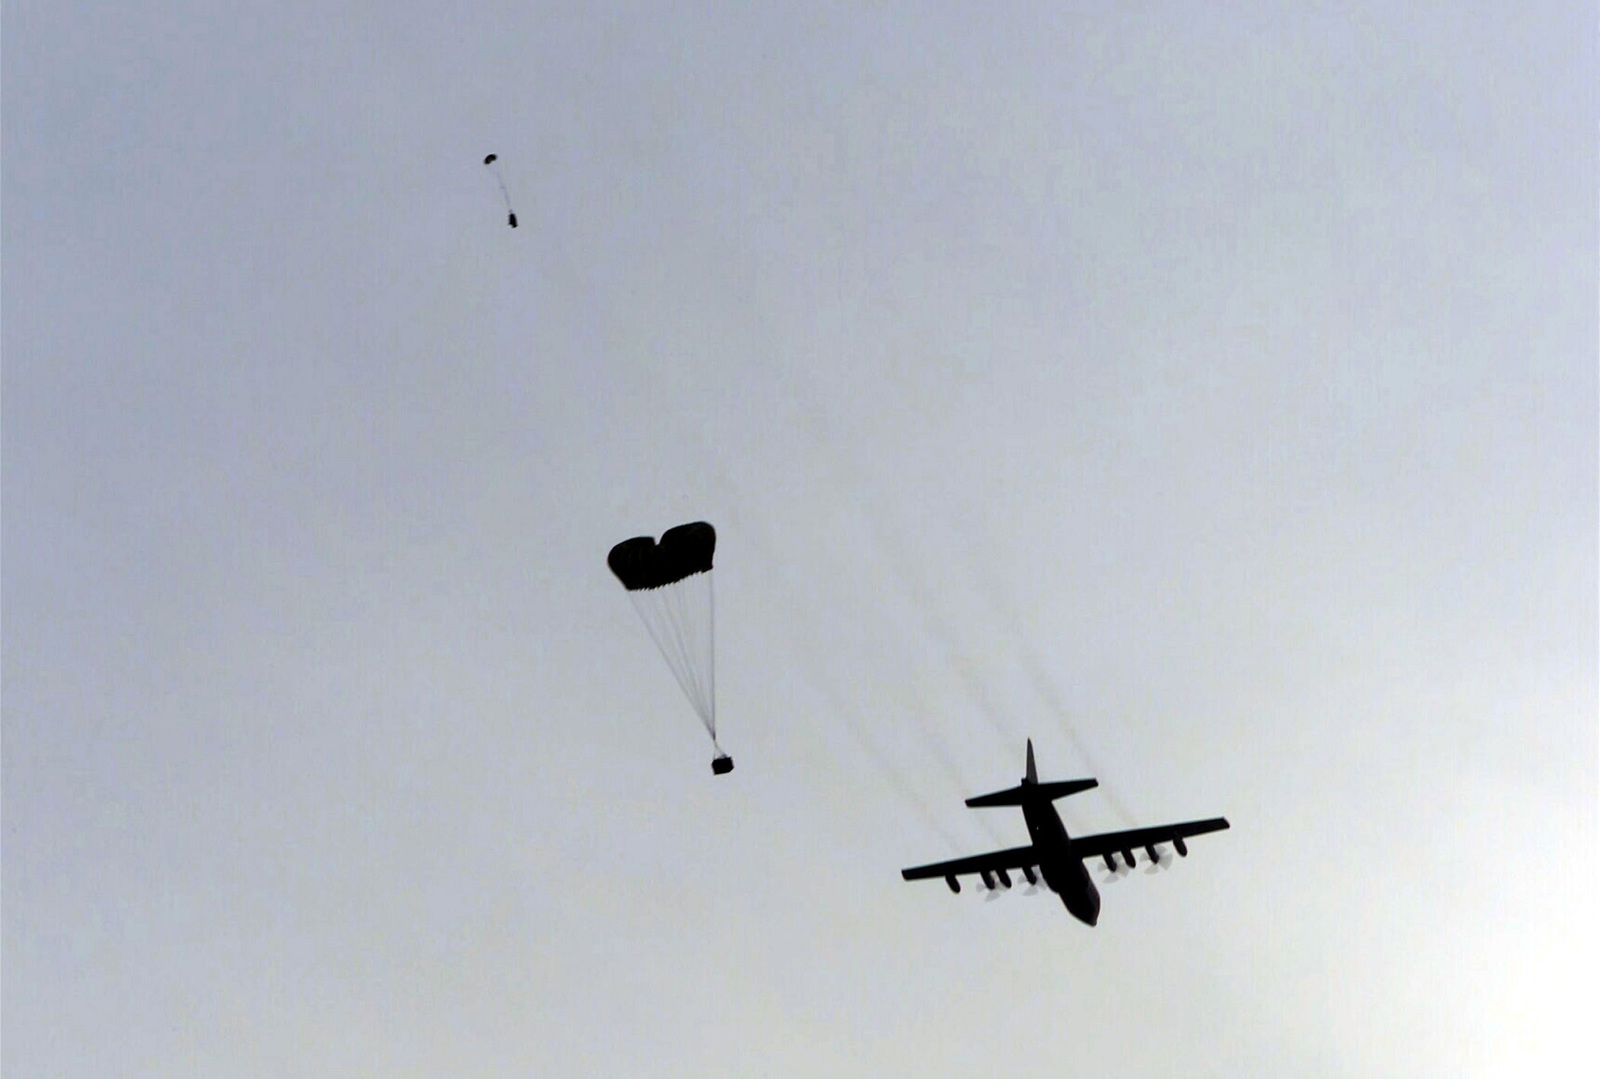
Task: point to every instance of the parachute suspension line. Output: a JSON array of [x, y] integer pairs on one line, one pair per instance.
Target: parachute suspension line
[[669, 584], [671, 642], [711, 667], [658, 622], [684, 632], [668, 615]]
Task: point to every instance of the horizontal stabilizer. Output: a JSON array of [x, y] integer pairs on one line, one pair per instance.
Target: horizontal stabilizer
[[1015, 796]]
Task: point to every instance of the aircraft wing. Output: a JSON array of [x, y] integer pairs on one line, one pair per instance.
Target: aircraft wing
[[1015, 858], [1109, 843]]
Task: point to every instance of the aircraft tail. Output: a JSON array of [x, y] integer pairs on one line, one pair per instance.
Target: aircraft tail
[[1033, 792], [1031, 789]]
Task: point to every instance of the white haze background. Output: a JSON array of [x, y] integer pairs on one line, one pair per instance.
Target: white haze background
[[1208, 392]]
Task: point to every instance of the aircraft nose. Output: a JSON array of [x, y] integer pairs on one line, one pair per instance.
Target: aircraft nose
[[1084, 907]]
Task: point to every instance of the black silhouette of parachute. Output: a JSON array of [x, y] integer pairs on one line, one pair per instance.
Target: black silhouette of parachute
[[670, 585], [641, 563], [489, 163]]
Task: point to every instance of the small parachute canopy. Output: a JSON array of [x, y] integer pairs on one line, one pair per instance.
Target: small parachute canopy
[[669, 583], [511, 215]]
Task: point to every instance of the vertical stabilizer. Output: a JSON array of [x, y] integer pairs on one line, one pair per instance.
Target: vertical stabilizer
[[1030, 791]]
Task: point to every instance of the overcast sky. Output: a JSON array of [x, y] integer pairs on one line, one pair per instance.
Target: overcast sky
[[1209, 394]]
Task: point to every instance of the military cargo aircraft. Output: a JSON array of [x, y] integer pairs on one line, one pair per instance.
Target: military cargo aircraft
[[1055, 855]]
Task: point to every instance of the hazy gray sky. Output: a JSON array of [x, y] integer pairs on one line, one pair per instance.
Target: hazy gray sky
[[1207, 392]]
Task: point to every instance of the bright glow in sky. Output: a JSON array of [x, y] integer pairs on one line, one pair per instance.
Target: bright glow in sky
[[1211, 397]]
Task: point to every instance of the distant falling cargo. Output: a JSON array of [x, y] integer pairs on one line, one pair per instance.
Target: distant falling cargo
[[489, 162]]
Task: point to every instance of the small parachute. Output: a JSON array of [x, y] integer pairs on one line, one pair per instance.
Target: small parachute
[[670, 585], [489, 163]]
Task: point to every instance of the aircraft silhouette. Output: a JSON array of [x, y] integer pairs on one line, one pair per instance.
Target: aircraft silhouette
[[1058, 856]]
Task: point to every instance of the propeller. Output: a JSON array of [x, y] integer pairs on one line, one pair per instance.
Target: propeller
[[1165, 859], [1123, 869], [1111, 876]]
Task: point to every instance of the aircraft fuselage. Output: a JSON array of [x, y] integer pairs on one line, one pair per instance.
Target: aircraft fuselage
[[1063, 872]]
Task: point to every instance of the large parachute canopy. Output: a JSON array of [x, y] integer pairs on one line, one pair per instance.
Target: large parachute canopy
[[670, 585]]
